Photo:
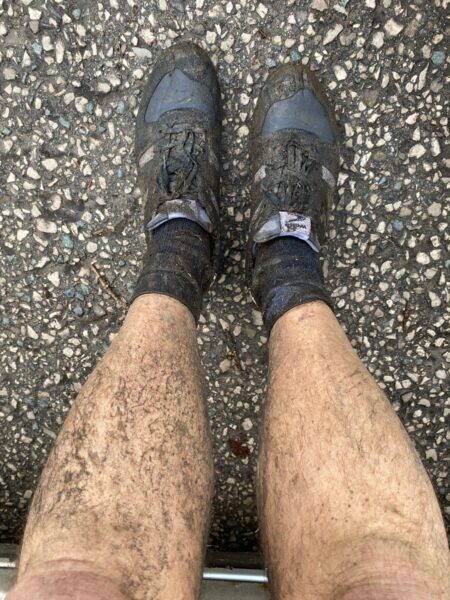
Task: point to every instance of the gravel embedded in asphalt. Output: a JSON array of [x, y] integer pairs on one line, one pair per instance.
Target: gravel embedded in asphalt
[[71, 74]]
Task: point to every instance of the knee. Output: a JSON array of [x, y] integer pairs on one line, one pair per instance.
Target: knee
[[389, 583], [65, 580]]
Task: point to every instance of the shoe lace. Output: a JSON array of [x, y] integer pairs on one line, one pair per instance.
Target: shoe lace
[[179, 170], [290, 182]]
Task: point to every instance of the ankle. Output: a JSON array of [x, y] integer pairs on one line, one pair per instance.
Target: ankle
[[286, 273], [65, 580], [178, 263]]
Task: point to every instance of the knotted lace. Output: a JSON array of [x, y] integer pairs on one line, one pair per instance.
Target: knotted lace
[[179, 172], [290, 183]]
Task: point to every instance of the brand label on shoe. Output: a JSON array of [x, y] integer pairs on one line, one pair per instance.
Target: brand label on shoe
[[295, 224]]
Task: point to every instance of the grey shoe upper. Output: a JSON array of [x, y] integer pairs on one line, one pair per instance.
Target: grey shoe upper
[[295, 159], [178, 140]]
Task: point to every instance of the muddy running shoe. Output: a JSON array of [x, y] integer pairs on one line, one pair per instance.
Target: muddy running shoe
[[177, 155], [294, 170]]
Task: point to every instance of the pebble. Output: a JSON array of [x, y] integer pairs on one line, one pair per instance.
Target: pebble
[[37, 48], [46, 226], [423, 258], [339, 72], [332, 34], [140, 53], [50, 164], [91, 247], [247, 424], [103, 87], [67, 241], [393, 27], [9, 73], [33, 174], [378, 39], [261, 9], [64, 122], [416, 151], [438, 57], [435, 209], [54, 278], [224, 365], [319, 5], [78, 310]]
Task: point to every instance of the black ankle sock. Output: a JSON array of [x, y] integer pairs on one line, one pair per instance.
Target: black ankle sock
[[177, 263], [287, 272]]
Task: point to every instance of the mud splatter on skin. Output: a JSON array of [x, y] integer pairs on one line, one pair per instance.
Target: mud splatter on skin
[[132, 467]]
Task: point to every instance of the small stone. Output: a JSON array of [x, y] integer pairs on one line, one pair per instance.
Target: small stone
[[243, 131], [9, 73], [438, 57], [37, 48], [98, 310], [393, 28], [67, 241], [211, 37], [50, 164], [33, 174], [46, 226], [435, 209], [76, 13], [378, 39], [247, 424], [319, 5], [91, 247], [431, 454], [224, 365], [270, 63], [423, 258], [244, 98], [257, 318], [397, 224], [339, 72], [434, 299], [261, 9], [103, 87], [34, 13], [332, 34], [21, 234], [416, 151], [64, 122], [140, 53], [59, 51], [54, 278], [31, 333], [78, 310], [120, 109]]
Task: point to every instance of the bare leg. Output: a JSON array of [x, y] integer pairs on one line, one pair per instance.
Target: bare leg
[[122, 506], [348, 511]]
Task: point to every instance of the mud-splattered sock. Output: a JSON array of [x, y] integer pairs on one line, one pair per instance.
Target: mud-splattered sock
[[287, 272], [177, 263]]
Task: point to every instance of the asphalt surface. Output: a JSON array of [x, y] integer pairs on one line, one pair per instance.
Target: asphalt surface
[[70, 214]]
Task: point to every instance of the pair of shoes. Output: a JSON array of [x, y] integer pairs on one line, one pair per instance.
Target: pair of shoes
[[294, 156]]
